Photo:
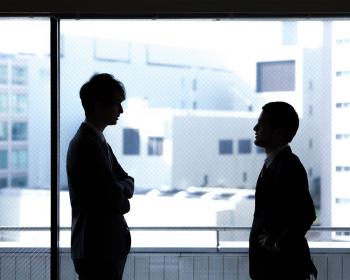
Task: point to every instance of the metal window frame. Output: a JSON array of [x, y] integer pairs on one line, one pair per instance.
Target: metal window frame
[[55, 103]]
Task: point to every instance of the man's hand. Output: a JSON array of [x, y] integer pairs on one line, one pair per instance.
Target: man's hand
[[266, 242], [128, 184]]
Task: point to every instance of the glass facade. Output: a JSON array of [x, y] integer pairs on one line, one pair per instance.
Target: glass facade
[[24, 132], [192, 97]]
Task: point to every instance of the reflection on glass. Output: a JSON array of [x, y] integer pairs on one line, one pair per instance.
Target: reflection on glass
[[194, 94], [24, 130]]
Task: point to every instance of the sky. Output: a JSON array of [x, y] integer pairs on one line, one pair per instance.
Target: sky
[[32, 35]]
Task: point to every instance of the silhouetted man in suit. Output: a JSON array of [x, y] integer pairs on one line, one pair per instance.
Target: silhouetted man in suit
[[284, 210], [99, 188]]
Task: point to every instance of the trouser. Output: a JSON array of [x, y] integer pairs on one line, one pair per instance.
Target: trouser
[[95, 269]]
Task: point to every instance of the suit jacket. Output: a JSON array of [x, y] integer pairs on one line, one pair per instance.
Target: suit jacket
[[99, 190], [284, 209]]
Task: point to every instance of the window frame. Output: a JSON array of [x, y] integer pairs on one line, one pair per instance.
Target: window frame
[[219, 10]]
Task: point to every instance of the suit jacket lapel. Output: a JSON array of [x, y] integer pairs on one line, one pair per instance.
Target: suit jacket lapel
[[103, 147]]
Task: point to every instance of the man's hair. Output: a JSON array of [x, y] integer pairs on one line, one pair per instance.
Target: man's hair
[[101, 88], [283, 116]]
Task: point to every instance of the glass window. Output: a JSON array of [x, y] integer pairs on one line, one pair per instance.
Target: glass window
[[20, 103], [3, 74], [19, 158], [3, 103], [155, 146], [310, 143], [19, 180], [225, 147], [197, 90], [3, 159], [244, 176], [342, 168], [342, 73], [24, 51], [3, 130], [3, 182], [276, 76], [342, 136], [244, 146], [19, 75], [131, 141], [19, 131]]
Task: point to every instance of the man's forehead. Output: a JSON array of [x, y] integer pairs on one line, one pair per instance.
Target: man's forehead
[[264, 116], [117, 97]]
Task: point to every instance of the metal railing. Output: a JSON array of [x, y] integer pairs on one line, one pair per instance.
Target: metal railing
[[216, 229]]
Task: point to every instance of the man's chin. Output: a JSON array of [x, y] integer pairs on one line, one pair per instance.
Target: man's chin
[[258, 143]]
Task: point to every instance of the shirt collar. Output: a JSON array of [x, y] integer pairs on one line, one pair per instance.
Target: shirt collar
[[99, 133], [271, 156]]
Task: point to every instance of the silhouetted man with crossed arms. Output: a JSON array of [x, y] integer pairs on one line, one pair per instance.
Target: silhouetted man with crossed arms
[[99, 188]]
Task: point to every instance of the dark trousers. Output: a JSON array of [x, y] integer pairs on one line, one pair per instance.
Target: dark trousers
[[94, 269]]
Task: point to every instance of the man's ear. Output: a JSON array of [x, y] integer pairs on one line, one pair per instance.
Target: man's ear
[[280, 134]]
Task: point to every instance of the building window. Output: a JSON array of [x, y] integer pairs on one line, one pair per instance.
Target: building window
[[3, 182], [131, 141], [276, 76], [310, 144], [344, 136], [155, 146], [20, 103], [311, 110], [19, 181], [342, 168], [19, 75], [310, 172], [19, 159], [3, 159], [342, 73], [342, 41], [3, 74], [244, 146], [3, 103], [342, 105], [245, 177], [342, 200], [19, 131], [3, 131], [225, 147]]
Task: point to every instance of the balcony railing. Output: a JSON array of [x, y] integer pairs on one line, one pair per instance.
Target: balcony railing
[[217, 229]]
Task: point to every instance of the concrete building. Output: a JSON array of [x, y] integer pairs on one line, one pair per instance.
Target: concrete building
[[188, 116]]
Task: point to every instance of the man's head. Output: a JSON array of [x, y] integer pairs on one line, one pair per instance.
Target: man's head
[[101, 98], [277, 125]]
